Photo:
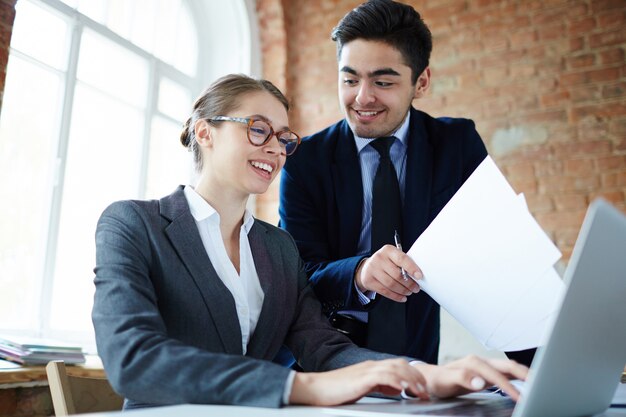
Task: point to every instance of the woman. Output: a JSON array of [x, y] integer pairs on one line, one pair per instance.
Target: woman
[[194, 297]]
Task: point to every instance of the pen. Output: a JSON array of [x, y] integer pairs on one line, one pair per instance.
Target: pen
[[396, 239]]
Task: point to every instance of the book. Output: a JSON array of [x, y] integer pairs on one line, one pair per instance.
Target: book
[[36, 351]]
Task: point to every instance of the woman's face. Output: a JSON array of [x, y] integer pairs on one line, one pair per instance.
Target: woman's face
[[233, 160]]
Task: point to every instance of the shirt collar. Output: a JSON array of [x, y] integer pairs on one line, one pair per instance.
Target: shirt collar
[[202, 210], [401, 133]]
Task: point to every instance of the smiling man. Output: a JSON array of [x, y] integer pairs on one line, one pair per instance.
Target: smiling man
[[385, 170]]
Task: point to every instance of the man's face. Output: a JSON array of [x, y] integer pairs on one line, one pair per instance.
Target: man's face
[[375, 88]]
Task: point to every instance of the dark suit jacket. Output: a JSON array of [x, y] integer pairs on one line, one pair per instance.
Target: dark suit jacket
[[321, 203], [167, 328]]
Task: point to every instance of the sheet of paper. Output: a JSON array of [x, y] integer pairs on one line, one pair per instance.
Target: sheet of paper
[[524, 326], [478, 253]]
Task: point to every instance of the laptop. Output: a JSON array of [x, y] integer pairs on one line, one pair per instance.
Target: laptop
[[578, 370]]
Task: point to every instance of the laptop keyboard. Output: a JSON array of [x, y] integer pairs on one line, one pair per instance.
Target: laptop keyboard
[[484, 408]]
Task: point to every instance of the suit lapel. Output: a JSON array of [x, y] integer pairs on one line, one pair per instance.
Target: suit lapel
[[418, 181], [184, 237], [346, 172], [267, 262]]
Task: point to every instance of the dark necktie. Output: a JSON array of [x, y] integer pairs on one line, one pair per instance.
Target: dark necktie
[[386, 328]]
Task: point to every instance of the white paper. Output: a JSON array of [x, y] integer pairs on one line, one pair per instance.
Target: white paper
[[478, 254], [524, 326]]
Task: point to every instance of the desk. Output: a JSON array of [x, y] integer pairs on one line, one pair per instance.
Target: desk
[[24, 389], [12, 373], [295, 411]]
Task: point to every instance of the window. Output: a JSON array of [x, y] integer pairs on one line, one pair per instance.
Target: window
[[92, 110]]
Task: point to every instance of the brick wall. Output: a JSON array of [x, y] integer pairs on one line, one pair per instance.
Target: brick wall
[[545, 82], [7, 15]]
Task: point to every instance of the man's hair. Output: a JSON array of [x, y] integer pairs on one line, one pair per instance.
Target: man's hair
[[396, 24]]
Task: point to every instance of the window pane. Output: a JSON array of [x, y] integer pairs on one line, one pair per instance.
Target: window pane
[[111, 69], [120, 16], [144, 24], [174, 100], [170, 164], [94, 9], [48, 43], [186, 58], [28, 131], [103, 165]]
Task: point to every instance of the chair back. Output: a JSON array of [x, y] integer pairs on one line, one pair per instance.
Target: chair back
[[77, 395]]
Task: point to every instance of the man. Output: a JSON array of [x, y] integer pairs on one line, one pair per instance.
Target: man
[[385, 169]]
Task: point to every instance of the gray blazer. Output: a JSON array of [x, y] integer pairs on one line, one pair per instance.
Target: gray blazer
[[167, 328]]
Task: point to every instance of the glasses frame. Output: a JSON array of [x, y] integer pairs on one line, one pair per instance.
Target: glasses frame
[[249, 121]]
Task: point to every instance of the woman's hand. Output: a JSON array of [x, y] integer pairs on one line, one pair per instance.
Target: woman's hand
[[349, 384], [472, 374]]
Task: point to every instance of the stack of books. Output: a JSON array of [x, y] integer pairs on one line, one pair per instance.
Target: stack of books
[[30, 351]]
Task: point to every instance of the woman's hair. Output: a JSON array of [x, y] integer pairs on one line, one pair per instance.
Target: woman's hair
[[220, 98]]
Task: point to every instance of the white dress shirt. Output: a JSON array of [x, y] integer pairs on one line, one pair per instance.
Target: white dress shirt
[[244, 286], [369, 160]]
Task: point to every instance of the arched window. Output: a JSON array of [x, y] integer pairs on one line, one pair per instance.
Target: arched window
[[96, 94]]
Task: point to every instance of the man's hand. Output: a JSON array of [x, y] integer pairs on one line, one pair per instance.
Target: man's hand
[[347, 385], [472, 373], [381, 273]]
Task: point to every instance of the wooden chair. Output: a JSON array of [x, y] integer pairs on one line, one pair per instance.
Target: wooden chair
[[76, 395]]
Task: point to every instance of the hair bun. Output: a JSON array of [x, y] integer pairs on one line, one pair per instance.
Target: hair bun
[[185, 136]]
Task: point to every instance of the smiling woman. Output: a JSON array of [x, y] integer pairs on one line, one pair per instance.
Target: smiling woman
[[97, 92]]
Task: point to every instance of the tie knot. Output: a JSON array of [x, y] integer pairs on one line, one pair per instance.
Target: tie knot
[[382, 145]]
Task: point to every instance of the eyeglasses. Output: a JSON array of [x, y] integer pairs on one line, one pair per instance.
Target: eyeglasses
[[260, 132]]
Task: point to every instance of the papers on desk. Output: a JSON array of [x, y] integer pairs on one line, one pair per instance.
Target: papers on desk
[[490, 265], [31, 351]]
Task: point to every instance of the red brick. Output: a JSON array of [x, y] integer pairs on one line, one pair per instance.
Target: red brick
[[570, 201], [549, 33], [547, 17], [521, 170], [614, 179], [561, 220], [587, 92], [444, 11], [615, 90], [615, 197], [524, 185], [566, 237], [590, 129], [548, 116], [610, 19], [609, 38], [539, 203], [564, 150], [576, 44], [576, 167], [610, 163], [581, 61], [523, 38], [585, 25], [601, 5], [555, 99], [548, 168], [603, 75], [573, 78], [599, 111], [618, 127], [612, 56], [469, 19], [576, 10]]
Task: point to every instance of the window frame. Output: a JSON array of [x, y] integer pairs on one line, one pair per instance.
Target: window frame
[[206, 72]]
